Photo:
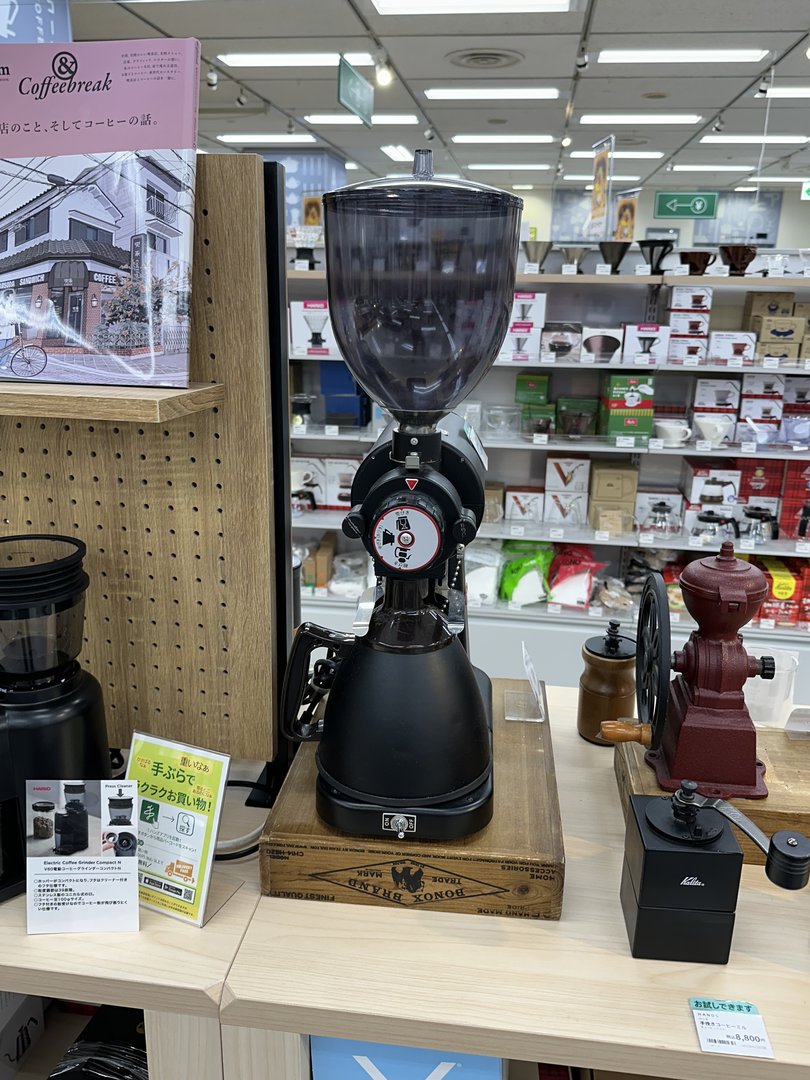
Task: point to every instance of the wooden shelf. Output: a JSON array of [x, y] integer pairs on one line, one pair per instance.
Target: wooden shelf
[[614, 280], [753, 282], [133, 404]]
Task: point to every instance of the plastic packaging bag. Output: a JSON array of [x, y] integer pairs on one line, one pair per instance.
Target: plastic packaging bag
[[525, 578], [571, 576]]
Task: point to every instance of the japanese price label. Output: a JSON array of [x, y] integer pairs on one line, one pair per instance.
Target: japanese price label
[[81, 856], [730, 1027], [181, 790]]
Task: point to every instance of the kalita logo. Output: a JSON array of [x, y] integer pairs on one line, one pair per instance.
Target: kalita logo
[[65, 67], [693, 881]]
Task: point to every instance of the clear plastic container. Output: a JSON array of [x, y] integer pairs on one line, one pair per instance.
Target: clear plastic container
[[421, 275]]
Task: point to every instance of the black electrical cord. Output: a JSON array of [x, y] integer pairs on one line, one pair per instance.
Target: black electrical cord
[[231, 855], [250, 784]]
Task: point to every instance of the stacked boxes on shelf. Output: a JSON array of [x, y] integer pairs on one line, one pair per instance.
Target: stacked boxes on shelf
[[689, 308], [794, 518], [522, 344], [715, 408], [626, 404], [531, 391], [761, 406], [710, 485], [561, 340], [322, 483], [645, 343], [612, 501], [566, 498], [345, 404]]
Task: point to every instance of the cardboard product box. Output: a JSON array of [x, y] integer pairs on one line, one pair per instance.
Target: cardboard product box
[[801, 310], [797, 390], [646, 339], [763, 384], [690, 323], [520, 346], [603, 344], [310, 329], [614, 482], [722, 394], [308, 477], [22, 1025], [531, 389], [493, 502], [627, 390], [337, 1059], [680, 348], [567, 473], [772, 350], [761, 408], [563, 340], [691, 510], [794, 518], [797, 480], [804, 348], [524, 504], [769, 303], [340, 473], [577, 416], [316, 569], [528, 311], [732, 345], [779, 329], [760, 478], [613, 516], [695, 472], [566, 508], [618, 421], [784, 591], [690, 298]]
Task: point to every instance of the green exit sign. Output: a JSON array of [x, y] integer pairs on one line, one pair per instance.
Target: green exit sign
[[354, 92], [686, 204]]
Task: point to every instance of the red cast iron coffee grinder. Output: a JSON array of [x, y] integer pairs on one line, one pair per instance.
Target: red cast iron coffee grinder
[[697, 726]]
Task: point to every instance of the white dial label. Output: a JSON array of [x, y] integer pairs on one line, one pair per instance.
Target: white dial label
[[406, 539]]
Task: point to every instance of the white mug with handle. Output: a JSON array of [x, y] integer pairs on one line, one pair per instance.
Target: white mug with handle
[[673, 432], [715, 430]]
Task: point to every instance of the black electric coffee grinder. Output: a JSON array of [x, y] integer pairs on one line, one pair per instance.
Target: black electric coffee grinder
[[71, 827], [405, 746], [51, 711]]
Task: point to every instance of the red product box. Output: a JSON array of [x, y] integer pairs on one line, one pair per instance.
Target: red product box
[[760, 479], [784, 592], [794, 519], [797, 480]]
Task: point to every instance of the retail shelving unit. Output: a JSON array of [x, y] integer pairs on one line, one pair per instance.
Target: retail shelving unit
[[565, 991], [602, 300]]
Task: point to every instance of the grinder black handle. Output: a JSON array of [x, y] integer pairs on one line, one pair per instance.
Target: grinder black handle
[[308, 637]]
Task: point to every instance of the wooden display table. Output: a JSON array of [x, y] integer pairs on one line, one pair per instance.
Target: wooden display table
[[565, 991]]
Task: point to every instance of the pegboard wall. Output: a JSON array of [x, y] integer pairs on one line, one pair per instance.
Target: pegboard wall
[[177, 516]]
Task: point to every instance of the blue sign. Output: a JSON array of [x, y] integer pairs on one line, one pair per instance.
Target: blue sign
[[34, 22], [344, 1059]]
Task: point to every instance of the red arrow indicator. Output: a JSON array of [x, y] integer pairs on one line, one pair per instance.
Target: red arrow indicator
[[411, 484]]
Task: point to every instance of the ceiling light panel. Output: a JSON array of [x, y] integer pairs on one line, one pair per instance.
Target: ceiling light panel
[[496, 93], [589, 176], [397, 153], [522, 187], [346, 119], [755, 140], [788, 92], [713, 168], [638, 119], [681, 56], [778, 180], [533, 139], [468, 7], [509, 168], [299, 60], [266, 139], [745, 187], [622, 155]]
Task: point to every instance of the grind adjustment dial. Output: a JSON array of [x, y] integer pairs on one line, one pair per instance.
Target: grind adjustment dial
[[408, 537]]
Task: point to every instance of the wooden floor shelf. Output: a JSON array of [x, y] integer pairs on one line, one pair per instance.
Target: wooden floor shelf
[[129, 404]]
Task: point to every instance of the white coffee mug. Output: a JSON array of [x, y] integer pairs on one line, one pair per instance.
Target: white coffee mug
[[715, 431], [672, 432], [300, 477]]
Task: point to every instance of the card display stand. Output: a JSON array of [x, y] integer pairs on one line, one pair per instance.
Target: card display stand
[[177, 513], [787, 774], [515, 866]]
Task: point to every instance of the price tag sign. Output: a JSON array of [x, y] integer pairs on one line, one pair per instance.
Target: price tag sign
[[703, 446], [603, 269], [798, 447], [674, 616], [776, 271], [771, 363], [555, 609], [646, 539], [748, 448], [602, 536], [556, 534], [735, 362], [540, 439], [517, 530], [803, 547], [643, 269], [691, 361], [696, 541], [587, 358], [569, 269], [548, 357], [301, 264], [767, 624], [513, 606], [655, 444], [595, 611], [299, 429], [746, 544], [625, 442], [331, 430], [730, 1027], [642, 360], [807, 365], [531, 268], [806, 271], [720, 271], [473, 601], [320, 592], [680, 271]]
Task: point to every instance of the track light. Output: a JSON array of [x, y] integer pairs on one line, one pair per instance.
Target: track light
[[241, 98], [291, 126], [719, 123], [383, 73], [669, 167], [566, 141], [582, 61], [764, 86], [212, 79]]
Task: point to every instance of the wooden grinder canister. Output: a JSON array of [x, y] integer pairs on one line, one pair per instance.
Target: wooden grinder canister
[[607, 686]]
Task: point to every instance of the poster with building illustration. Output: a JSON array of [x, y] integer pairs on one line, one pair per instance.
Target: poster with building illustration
[[97, 171]]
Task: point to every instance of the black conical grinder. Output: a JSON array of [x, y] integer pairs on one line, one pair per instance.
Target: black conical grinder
[[51, 711]]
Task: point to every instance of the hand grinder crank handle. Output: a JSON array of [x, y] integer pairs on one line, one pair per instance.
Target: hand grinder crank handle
[[787, 853], [309, 637]]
